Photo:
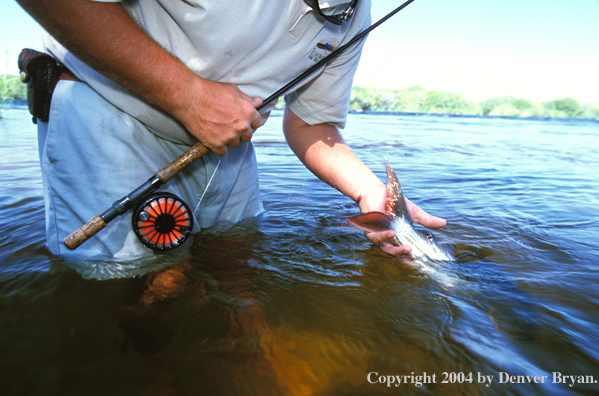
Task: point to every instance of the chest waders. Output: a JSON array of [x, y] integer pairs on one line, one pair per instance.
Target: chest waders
[[162, 221]]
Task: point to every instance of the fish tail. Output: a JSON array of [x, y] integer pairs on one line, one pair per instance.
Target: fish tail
[[372, 222]]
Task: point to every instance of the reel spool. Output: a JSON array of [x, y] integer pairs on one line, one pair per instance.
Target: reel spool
[[162, 222]]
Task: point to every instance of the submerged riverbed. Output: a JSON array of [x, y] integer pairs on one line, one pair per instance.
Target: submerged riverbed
[[301, 304]]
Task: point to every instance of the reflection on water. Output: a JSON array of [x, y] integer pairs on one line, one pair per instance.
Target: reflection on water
[[302, 304]]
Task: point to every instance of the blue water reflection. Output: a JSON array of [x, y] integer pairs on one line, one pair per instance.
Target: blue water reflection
[[300, 303]]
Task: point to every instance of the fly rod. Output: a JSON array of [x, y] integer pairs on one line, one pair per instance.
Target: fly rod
[[121, 206]]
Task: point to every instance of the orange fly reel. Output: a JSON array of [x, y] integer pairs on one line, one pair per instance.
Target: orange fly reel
[[162, 222]]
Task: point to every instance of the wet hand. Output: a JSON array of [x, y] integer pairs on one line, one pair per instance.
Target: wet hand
[[374, 201], [219, 115]]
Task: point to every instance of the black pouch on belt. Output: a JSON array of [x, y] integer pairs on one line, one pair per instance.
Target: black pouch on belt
[[41, 72]]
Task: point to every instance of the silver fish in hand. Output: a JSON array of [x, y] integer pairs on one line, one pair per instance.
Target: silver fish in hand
[[426, 252]]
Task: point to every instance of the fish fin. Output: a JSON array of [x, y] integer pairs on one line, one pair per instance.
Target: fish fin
[[373, 221], [395, 203]]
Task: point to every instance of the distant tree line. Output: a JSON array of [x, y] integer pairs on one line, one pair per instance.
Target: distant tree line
[[418, 100], [11, 87], [413, 100]]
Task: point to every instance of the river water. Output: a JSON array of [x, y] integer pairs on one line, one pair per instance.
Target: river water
[[302, 304]]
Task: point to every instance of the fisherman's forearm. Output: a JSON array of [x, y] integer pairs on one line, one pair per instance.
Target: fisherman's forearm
[[104, 36], [322, 149]]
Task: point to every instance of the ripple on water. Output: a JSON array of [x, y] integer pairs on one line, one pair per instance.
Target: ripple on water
[[299, 302]]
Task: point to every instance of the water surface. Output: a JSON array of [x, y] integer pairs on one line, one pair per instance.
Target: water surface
[[301, 304]]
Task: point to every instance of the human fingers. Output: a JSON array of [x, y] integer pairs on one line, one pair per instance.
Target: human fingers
[[255, 101], [256, 119], [242, 128], [220, 115], [386, 241], [421, 217], [230, 139], [393, 250], [256, 122], [380, 238], [221, 151], [250, 122]]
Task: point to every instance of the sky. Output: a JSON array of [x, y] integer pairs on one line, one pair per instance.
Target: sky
[[532, 49]]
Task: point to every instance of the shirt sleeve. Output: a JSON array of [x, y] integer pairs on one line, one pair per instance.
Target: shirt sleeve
[[325, 99]]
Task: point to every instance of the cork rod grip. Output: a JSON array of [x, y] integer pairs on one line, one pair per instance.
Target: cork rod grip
[[83, 233], [194, 153]]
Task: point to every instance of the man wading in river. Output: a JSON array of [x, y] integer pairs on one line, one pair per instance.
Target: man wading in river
[[149, 79]]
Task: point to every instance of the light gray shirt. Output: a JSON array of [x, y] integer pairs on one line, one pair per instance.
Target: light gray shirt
[[259, 45]]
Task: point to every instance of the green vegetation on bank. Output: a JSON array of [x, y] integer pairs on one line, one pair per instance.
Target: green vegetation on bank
[[418, 100], [412, 100], [11, 87]]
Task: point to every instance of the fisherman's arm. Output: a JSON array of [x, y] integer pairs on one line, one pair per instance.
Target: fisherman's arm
[[322, 149], [104, 36]]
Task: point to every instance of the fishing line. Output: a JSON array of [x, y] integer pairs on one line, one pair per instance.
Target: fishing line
[[208, 185], [293, 192], [398, 48]]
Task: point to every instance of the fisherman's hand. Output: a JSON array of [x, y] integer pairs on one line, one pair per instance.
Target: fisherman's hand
[[219, 115], [374, 201]]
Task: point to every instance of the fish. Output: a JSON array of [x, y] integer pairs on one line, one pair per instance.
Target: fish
[[426, 252]]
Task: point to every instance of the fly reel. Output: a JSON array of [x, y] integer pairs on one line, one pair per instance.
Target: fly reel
[[162, 222]]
